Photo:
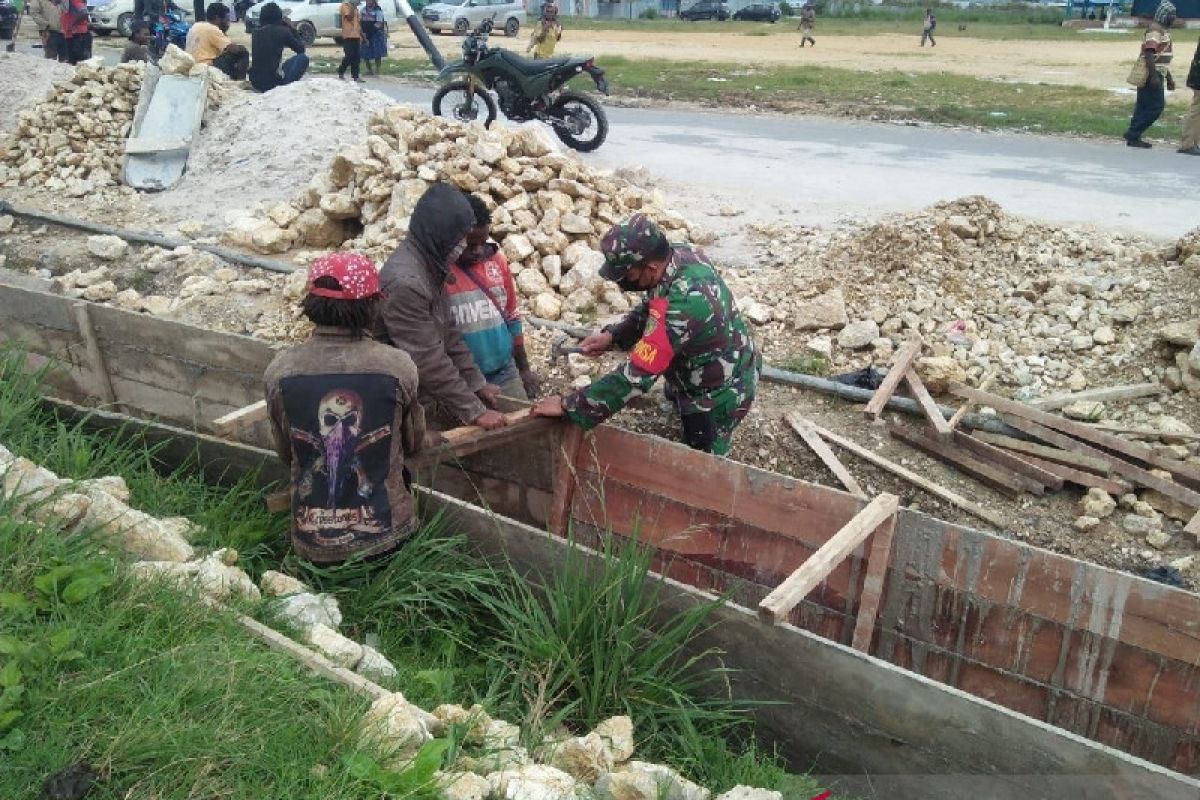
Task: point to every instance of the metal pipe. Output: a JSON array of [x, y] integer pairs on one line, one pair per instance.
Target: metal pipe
[[418, 29], [146, 237]]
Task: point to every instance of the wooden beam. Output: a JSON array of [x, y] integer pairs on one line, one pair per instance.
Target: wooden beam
[[921, 395], [1044, 452], [1123, 468], [967, 405], [1008, 460], [1099, 395], [1007, 483], [887, 386], [95, 356], [470, 431], [868, 601], [565, 476], [1081, 431], [1114, 486], [907, 474], [828, 457], [1147, 433], [246, 415], [780, 602]]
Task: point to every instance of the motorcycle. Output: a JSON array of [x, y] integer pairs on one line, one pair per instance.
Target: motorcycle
[[527, 89], [170, 28]]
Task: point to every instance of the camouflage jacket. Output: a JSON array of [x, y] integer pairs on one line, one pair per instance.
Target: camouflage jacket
[[689, 331]]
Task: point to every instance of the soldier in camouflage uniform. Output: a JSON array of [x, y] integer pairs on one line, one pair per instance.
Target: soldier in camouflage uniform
[[687, 329]]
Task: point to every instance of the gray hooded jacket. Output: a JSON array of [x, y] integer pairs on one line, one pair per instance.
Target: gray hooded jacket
[[416, 311]]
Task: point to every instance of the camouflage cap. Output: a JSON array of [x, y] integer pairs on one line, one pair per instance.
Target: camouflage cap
[[628, 243]]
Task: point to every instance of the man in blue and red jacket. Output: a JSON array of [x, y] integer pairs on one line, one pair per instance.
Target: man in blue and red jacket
[[485, 307]]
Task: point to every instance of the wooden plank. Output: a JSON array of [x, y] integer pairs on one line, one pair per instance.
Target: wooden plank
[[921, 394], [935, 489], [102, 379], [887, 386], [466, 432], [152, 145], [246, 415], [1114, 486], [1123, 468], [1081, 431], [1044, 452], [565, 477], [1147, 433], [829, 459], [1098, 395], [38, 308], [1000, 479], [778, 604], [1008, 460], [868, 602], [967, 405]]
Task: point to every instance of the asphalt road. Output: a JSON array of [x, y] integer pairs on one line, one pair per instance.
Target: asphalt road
[[819, 170]]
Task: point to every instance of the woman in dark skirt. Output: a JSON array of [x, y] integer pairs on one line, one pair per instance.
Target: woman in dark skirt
[[374, 44]]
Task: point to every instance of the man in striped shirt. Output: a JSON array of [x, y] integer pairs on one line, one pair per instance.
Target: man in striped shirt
[[484, 305]]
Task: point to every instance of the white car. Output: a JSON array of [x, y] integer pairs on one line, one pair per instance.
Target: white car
[[107, 16], [460, 16], [314, 18]]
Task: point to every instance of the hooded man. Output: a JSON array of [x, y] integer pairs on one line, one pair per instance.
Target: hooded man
[[687, 330], [416, 314]]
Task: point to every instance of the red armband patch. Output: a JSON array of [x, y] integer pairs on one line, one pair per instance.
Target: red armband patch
[[653, 352]]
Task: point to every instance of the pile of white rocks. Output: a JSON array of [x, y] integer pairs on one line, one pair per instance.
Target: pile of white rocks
[[549, 209]]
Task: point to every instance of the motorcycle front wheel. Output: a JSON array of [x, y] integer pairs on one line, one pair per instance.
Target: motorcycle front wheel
[[454, 101], [579, 121]]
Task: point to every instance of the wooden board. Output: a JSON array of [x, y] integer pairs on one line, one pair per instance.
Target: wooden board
[[1114, 486], [829, 458], [1045, 452], [952, 497], [246, 415], [932, 413], [1007, 483], [1008, 460], [872, 591], [1081, 431], [967, 405], [779, 603], [887, 386], [1099, 395]]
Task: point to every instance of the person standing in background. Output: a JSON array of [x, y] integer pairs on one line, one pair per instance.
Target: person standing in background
[[76, 31], [1191, 123], [1157, 50], [47, 15], [547, 34], [928, 27], [351, 40], [374, 36], [808, 18]]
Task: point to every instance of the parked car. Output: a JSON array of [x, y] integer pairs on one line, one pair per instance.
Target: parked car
[[108, 16], [465, 15], [706, 9], [316, 18], [759, 12]]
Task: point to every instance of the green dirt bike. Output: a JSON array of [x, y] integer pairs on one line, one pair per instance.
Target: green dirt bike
[[526, 89]]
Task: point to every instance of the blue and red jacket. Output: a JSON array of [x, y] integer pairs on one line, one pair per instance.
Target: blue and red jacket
[[486, 310]]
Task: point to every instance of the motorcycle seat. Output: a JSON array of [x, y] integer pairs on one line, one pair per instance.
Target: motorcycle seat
[[534, 66]]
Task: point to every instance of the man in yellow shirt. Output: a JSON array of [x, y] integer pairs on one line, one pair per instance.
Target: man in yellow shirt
[[208, 44], [546, 34], [351, 40]]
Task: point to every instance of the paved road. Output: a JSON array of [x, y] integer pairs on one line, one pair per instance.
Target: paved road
[[819, 170]]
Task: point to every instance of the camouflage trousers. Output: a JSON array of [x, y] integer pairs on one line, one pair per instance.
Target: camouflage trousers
[[712, 430]]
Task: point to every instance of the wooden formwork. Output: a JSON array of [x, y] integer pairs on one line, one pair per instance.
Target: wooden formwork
[[1088, 650]]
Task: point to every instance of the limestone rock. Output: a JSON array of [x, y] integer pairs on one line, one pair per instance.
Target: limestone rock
[[639, 780], [1085, 410], [1181, 334], [749, 793], [156, 304], [277, 584], [548, 305], [107, 247], [574, 223], [617, 735], [858, 335], [1097, 503], [463, 786], [6, 223], [337, 648], [391, 730], [938, 372], [1158, 539], [100, 292], [757, 312], [1085, 523], [303, 610], [138, 534], [534, 782], [585, 758], [552, 269], [374, 665], [531, 282], [1139, 525], [827, 310], [221, 580], [176, 62], [517, 248]]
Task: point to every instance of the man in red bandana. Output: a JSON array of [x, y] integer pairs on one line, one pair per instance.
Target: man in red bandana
[[344, 417]]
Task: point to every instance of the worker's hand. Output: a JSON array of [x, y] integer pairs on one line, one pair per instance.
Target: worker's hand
[[596, 343], [488, 394], [531, 382], [433, 439], [490, 420], [549, 407]]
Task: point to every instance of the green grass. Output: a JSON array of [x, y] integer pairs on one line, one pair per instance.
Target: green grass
[[169, 700], [940, 98]]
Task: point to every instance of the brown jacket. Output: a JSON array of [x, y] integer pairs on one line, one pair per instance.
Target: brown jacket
[[46, 14], [416, 310], [344, 416]]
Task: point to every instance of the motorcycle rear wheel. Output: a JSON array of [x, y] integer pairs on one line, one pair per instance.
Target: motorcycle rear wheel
[[578, 115], [451, 101]]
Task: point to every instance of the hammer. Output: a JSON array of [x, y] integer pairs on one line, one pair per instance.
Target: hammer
[[560, 348]]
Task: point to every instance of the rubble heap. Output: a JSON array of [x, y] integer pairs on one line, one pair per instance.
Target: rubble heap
[[549, 209], [72, 141]]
